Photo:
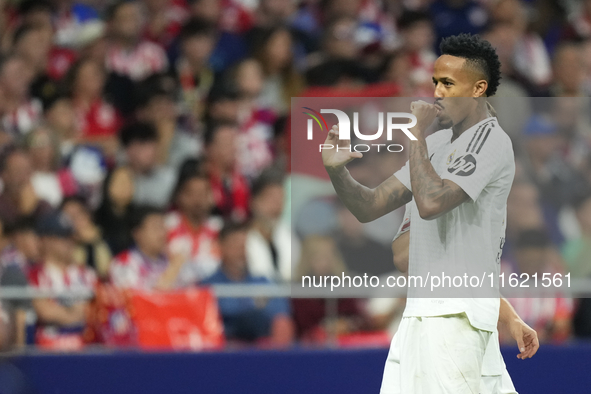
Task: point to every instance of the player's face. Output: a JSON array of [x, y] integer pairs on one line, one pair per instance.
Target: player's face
[[456, 86]]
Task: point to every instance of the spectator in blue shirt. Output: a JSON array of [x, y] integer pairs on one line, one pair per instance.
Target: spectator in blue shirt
[[265, 320]]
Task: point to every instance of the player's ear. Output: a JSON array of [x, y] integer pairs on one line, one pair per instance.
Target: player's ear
[[480, 87]]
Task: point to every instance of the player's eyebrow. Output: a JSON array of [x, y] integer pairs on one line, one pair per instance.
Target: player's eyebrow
[[443, 79]]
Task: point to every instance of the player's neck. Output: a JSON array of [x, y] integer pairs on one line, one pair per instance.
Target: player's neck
[[473, 118]]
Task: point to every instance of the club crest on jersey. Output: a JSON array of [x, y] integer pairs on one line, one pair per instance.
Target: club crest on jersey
[[463, 166], [450, 158]]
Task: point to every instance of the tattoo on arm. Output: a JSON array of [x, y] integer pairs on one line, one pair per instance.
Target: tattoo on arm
[[365, 203]]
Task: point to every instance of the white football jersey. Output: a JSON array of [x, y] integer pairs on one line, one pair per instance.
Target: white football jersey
[[466, 241]]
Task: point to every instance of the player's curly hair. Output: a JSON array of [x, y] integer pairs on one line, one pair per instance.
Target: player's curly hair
[[479, 53]]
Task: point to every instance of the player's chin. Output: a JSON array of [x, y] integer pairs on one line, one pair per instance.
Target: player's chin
[[444, 122]]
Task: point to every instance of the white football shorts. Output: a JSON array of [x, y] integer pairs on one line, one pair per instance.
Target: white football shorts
[[444, 355]]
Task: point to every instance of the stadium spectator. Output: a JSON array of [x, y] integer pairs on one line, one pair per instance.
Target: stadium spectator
[[51, 181], [60, 117], [210, 10], [35, 13], [557, 181], [361, 254], [255, 122], [579, 26], [338, 41], [549, 316], [18, 199], [90, 249], [418, 40], [197, 39], [223, 103], [164, 20], [396, 69], [147, 265], [33, 44], [60, 321], [248, 319], [339, 53], [524, 212], [577, 252], [231, 191], [270, 245], [574, 127], [192, 231], [452, 17], [17, 310], [320, 257], [21, 112], [229, 15], [249, 78], [156, 105], [270, 13], [24, 248], [511, 96], [14, 268], [97, 121], [530, 57], [113, 216], [153, 183], [127, 53], [232, 23], [569, 71], [273, 49], [70, 19]]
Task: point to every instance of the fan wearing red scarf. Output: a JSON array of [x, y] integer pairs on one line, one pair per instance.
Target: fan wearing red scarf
[[231, 191]]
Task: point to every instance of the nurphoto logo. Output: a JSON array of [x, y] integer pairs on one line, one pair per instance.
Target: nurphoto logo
[[344, 124]]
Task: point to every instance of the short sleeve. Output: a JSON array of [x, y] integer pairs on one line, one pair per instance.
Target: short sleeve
[[403, 175], [488, 152], [405, 225], [433, 141]]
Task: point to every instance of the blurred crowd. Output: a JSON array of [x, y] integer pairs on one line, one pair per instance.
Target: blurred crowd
[[145, 144]]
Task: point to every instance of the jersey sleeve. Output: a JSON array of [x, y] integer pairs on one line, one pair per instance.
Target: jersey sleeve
[[484, 157], [405, 225], [403, 175]]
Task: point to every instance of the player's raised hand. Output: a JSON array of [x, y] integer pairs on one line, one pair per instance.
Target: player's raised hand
[[334, 158], [425, 113], [526, 337]]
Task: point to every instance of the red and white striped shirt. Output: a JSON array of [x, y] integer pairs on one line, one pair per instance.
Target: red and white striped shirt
[[134, 270], [145, 59], [45, 276], [199, 244]]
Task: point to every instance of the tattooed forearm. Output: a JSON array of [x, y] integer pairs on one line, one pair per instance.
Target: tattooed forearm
[[433, 195], [365, 203]]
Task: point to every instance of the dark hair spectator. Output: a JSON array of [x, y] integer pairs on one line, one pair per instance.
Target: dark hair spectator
[[137, 132], [113, 215], [97, 120], [230, 188], [90, 249], [127, 53], [18, 199]]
